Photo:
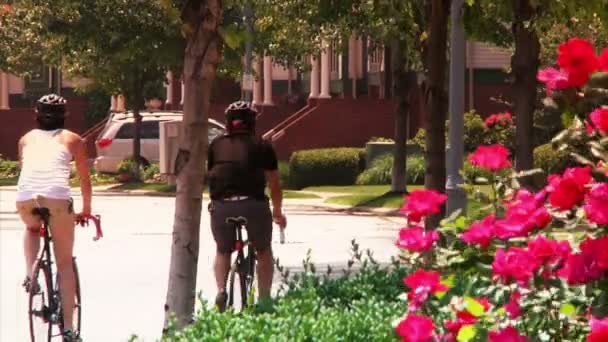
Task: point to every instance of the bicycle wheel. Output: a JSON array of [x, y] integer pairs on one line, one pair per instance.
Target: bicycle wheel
[[41, 303], [77, 314], [250, 275], [230, 289]]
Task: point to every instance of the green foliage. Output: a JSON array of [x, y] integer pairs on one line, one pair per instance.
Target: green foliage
[[97, 108], [126, 166], [152, 172], [329, 166], [359, 305], [552, 160], [381, 171], [8, 168], [284, 174]]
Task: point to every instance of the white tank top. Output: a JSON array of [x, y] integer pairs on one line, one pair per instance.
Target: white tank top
[[45, 167]]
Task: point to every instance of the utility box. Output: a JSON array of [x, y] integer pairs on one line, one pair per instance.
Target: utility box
[[168, 145]]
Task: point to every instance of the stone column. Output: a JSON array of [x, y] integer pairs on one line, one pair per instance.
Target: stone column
[[325, 71], [169, 89], [4, 91], [113, 103], [181, 101], [257, 84], [268, 81], [314, 78], [120, 104]]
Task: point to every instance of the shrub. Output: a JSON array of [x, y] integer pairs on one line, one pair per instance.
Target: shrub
[[355, 306], [8, 168], [284, 174], [551, 160], [329, 166], [152, 172], [381, 171]]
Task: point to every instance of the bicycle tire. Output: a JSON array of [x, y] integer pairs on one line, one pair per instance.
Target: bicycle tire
[[77, 316], [250, 279], [230, 289], [42, 313], [243, 286]]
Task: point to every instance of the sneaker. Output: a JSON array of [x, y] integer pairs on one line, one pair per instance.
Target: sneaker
[[220, 301], [71, 336], [27, 285]]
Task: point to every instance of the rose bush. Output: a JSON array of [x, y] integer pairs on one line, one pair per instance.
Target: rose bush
[[536, 267]]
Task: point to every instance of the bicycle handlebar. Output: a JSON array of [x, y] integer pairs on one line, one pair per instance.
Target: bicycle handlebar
[[84, 219]]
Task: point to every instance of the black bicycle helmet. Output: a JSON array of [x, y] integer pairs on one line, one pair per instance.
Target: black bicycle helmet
[[240, 115], [51, 105]]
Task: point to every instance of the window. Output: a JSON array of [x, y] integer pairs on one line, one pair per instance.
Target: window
[[149, 130]]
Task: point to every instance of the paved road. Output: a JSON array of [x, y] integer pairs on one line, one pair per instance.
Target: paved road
[[124, 275]]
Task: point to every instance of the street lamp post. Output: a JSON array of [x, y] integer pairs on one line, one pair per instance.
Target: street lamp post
[[456, 196]]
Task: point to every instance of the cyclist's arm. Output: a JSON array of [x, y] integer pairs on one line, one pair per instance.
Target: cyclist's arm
[[276, 195], [21, 144], [78, 150]]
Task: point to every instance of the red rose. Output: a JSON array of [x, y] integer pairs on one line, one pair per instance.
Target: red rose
[[599, 117], [604, 60], [420, 203], [577, 58], [492, 158], [415, 328]]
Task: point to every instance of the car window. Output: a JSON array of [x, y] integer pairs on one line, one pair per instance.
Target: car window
[[149, 130]]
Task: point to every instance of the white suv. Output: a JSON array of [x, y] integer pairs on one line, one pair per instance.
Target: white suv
[[115, 143]]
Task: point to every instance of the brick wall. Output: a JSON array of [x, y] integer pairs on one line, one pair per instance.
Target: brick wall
[[18, 121]]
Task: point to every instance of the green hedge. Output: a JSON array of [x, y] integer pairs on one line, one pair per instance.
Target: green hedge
[[8, 168], [381, 171], [356, 306], [328, 166]]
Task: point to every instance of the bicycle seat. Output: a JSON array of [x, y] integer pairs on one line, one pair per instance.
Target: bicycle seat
[[42, 212], [241, 221]]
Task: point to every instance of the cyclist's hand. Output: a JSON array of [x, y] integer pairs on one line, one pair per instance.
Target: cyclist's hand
[[279, 219]]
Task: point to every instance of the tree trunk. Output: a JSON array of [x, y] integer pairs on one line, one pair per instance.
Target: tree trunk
[[436, 101], [524, 65], [398, 66], [289, 81], [389, 69], [200, 63]]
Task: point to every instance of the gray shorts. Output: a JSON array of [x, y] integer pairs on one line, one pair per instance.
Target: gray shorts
[[259, 223]]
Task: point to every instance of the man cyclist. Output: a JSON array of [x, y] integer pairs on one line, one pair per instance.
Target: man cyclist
[[240, 165], [45, 154]]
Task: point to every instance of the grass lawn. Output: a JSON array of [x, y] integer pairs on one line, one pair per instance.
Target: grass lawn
[[292, 194], [158, 187], [8, 181]]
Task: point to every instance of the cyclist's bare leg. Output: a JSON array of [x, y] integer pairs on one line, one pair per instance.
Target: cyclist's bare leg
[[31, 247], [265, 269], [221, 266], [63, 245]]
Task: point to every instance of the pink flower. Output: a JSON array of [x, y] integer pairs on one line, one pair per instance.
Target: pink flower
[[553, 79], [493, 157], [568, 190], [423, 283], [548, 251], [524, 213], [512, 307], [599, 117], [516, 263], [416, 239], [596, 206], [589, 129], [577, 58], [589, 265], [517, 224], [604, 60], [415, 328], [420, 203], [502, 119], [508, 334], [464, 317], [480, 232], [599, 330]]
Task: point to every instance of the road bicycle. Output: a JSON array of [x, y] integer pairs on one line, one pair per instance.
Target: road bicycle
[[45, 305], [243, 265]]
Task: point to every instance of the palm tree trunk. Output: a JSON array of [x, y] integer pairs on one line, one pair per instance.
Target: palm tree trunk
[[200, 65]]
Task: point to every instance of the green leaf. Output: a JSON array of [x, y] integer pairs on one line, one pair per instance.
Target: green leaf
[[470, 2], [449, 281], [568, 310], [466, 333], [460, 222], [474, 307], [567, 118]]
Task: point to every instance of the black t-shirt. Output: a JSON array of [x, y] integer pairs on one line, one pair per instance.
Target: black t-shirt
[[236, 165]]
